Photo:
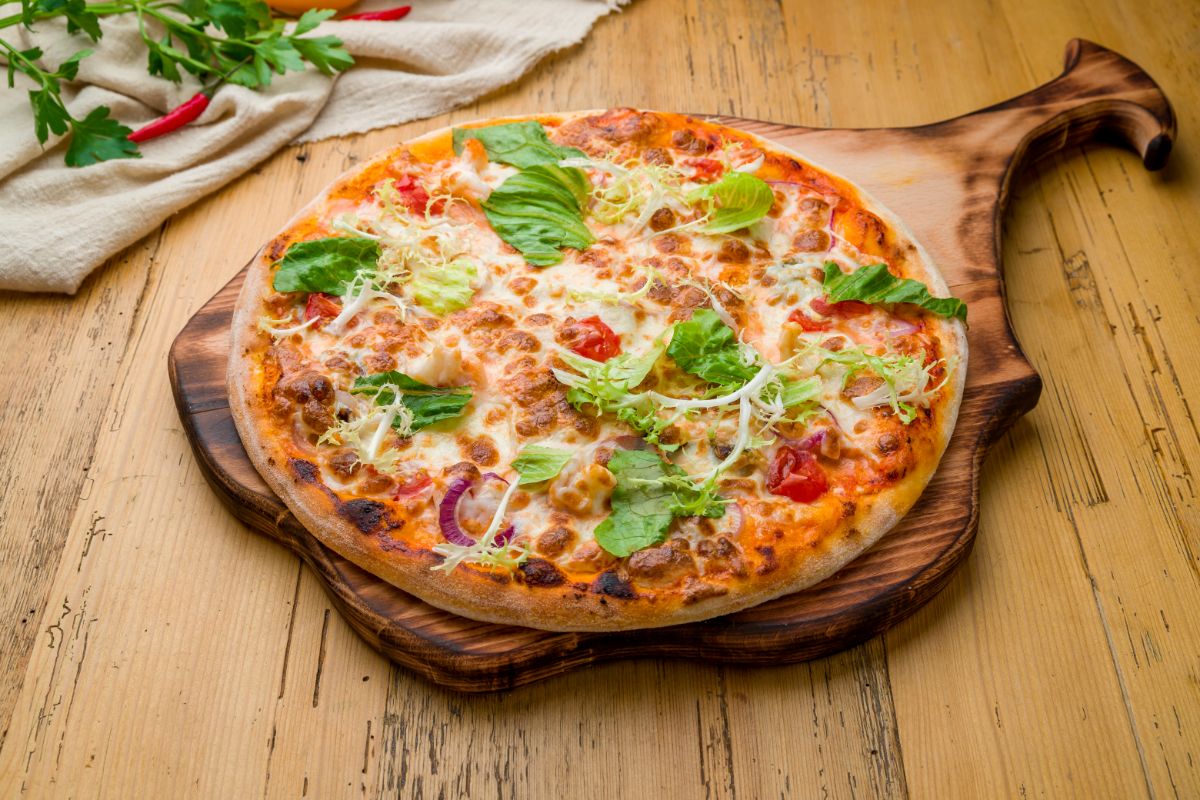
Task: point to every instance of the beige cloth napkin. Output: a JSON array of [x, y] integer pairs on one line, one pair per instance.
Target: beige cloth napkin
[[57, 224]]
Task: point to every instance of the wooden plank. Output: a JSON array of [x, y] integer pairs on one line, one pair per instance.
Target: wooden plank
[[44, 464]]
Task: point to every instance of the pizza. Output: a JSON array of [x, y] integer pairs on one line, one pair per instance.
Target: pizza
[[596, 371]]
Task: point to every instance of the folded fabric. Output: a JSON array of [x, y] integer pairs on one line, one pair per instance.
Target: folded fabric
[[58, 223]]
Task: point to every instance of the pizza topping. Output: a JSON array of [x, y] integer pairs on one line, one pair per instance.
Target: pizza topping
[[734, 202], [537, 463], [795, 473], [325, 265], [534, 464], [425, 404], [445, 287], [519, 144], [874, 284], [651, 193], [539, 211], [649, 493], [367, 432], [412, 194], [707, 347], [591, 338], [448, 513], [321, 307]]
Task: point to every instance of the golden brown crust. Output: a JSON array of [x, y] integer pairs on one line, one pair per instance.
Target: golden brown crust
[[538, 594]]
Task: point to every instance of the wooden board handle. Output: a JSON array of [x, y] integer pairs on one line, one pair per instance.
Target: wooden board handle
[[1099, 95]]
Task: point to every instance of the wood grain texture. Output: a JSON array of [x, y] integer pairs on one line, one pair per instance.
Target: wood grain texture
[[171, 653]]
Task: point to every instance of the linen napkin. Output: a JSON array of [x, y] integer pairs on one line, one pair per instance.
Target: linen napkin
[[58, 223]]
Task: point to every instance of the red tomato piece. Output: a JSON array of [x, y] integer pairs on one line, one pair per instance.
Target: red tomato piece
[[591, 338], [413, 486], [707, 168], [846, 308], [806, 322], [412, 194], [323, 306], [794, 473]]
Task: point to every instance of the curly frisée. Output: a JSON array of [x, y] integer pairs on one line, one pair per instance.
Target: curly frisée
[[596, 371]]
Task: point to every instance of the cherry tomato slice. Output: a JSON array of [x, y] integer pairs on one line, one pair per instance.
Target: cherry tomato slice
[[846, 308], [412, 194], [323, 306], [413, 486], [591, 338], [794, 473], [806, 322], [707, 168]]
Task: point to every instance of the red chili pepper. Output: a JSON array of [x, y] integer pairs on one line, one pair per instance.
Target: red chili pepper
[[399, 12], [591, 338], [173, 120]]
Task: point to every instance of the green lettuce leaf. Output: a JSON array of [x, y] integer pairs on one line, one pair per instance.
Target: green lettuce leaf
[[324, 265], [445, 287], [520, 144], [706, 347], [874, 284], [537, 463], [539, 211], [734, 202], [428, 404], [649, 493]]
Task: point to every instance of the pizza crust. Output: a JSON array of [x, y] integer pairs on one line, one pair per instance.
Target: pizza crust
[[475, 595]]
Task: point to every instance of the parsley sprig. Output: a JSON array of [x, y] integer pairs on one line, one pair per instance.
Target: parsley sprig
[[217, 41]]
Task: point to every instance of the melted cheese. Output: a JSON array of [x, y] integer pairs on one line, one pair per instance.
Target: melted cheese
[[597, 283]]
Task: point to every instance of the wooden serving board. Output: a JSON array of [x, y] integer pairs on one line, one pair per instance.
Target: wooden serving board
[[949, 182]]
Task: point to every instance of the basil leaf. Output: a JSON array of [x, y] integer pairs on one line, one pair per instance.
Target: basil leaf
[[735, 201], [521, 144], [324, 265], [539, 211], [445, 287], [428, 404], [537, 463], [706, 347], [649, 493], [874, 284]]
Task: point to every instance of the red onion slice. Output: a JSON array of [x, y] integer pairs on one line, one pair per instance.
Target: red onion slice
[[448, 513]]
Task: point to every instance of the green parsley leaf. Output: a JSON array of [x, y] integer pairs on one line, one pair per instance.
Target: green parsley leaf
[[326, 53], [444, 287], [239, 18], [520, 144], [706, 347], [537, 463], [324, 265], [428, 404], [874, 284], [539, 211], [311, 19], [734, 202], [98, 137], [49, 114], [649, 494]]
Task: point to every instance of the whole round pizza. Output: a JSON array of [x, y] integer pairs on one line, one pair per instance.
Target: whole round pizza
[[596, 371]]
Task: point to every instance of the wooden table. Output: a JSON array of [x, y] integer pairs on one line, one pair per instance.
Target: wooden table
[[155, 648]]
